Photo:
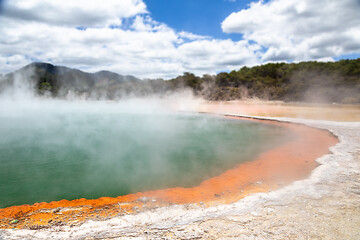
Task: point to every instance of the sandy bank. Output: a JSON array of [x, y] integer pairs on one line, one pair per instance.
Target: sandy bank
[[332, 112]]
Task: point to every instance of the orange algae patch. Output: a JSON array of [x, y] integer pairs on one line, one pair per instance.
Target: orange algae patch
[[291, 161]]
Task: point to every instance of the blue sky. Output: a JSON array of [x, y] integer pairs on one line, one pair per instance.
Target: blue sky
[[202, 17], [164, 38]]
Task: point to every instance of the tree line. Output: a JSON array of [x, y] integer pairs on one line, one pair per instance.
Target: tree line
[[312, 81], [328, 82]]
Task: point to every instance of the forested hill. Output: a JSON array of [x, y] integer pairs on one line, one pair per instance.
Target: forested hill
[[337, 82], [331, 82]]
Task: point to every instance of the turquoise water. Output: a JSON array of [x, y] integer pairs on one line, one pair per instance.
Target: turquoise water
[[58, 152]]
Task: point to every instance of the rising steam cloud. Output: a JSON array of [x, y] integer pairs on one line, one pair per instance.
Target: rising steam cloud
[[112, 147]]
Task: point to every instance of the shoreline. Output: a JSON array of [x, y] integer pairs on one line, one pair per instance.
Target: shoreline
[[256, 186], [260, 108]]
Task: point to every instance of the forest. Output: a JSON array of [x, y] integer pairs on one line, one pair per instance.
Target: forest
[[337, 82], [320, 82]]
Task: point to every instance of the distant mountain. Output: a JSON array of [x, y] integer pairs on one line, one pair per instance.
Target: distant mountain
[[58, 81]]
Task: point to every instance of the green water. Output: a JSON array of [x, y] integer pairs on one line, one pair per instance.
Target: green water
[[55, 152]]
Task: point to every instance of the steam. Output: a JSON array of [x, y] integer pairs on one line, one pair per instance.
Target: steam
[[107, 140], [322, 87], [68, 129], [21, 88]]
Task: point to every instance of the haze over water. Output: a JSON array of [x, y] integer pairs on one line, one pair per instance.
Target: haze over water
[[53, 150]]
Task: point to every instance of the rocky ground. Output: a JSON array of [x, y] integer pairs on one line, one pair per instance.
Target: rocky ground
[[324, 206]]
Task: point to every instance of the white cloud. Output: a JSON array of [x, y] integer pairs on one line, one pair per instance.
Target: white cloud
[[17, 61], [35, 30], [73, 13], [299, 30], [206, 55], [191, 36], [120, 36]]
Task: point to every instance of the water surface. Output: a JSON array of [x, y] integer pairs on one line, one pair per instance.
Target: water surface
[[66, 151]]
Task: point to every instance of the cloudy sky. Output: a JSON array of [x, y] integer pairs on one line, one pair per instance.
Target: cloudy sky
[[164, 38]]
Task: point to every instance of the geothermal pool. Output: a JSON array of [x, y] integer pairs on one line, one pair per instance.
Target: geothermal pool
[[55, 150]]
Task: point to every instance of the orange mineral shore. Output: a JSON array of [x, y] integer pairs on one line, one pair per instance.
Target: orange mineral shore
[[291, 161]]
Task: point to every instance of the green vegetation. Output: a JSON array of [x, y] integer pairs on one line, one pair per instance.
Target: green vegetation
[[330, 82], [306, 81]]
